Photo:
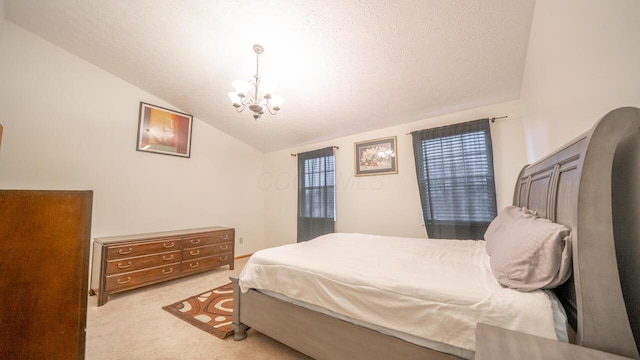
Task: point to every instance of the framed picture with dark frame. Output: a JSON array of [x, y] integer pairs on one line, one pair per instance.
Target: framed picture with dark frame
[[164, 131], [376, 157]]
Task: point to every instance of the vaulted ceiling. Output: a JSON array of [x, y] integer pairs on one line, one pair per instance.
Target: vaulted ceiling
[[344, 67]]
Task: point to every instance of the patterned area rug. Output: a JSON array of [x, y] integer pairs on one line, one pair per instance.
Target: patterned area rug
[[210, 311]]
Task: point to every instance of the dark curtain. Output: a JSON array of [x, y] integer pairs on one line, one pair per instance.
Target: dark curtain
[[454, 165], [316, 193]]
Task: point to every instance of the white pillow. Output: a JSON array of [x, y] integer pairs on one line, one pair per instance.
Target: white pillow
[[527, 252]]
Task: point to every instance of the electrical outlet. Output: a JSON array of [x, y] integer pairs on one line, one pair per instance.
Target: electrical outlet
[[241, 240]]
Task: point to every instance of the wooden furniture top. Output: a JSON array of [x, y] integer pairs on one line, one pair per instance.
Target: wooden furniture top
[[161, 234], [496, 343]]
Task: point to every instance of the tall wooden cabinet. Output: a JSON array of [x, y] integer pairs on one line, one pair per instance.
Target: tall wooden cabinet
[[44, 261]]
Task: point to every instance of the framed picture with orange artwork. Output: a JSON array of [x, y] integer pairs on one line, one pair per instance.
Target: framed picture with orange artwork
[[164, 131]]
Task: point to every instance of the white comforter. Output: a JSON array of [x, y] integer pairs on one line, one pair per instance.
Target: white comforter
[[433, 289]]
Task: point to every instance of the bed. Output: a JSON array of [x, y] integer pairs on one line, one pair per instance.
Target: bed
[[588, 186]]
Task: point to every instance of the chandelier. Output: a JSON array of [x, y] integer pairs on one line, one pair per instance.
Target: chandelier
[[255, 94]]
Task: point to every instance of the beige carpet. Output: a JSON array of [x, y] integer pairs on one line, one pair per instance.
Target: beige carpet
[[132, 326]]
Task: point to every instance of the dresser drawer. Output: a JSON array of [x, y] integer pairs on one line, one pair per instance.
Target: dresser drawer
[[138, 277], [204, 251], [207, 239], [205, 263], [143, 262], [143, 248]]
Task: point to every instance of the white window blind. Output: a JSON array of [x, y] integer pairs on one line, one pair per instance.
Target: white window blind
[[319, 187]]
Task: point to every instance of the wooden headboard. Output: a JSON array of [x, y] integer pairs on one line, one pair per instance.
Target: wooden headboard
[[592, 185]]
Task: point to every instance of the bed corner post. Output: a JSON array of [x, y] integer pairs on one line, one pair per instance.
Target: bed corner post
[[239, 329]]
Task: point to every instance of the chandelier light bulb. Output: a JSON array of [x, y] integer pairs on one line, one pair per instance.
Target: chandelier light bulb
[[268, 89], [276, 101], [241, 86], [235, 99]]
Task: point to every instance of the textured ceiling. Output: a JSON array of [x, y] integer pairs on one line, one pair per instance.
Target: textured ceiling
[[344, 67]]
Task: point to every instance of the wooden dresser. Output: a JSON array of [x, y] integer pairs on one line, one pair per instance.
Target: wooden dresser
[[122, 263], [44, 273]]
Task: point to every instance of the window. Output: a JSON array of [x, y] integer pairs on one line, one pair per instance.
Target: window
[[454, 165], [316, 193]]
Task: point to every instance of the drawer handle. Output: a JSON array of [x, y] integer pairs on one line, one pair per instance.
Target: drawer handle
[[194, 252], [223, 258], [120, 281], [125, 252], [195, 241], [224, 247], [224, 237], [170, 245], [167, 271], [120, 266], [167, 258], [194, 265]]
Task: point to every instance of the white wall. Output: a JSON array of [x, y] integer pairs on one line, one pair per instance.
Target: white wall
[[583, 60], [70, 125], [386, 204]]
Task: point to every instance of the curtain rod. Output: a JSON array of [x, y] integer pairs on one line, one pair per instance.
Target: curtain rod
[[335, 147], [493, 119]]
